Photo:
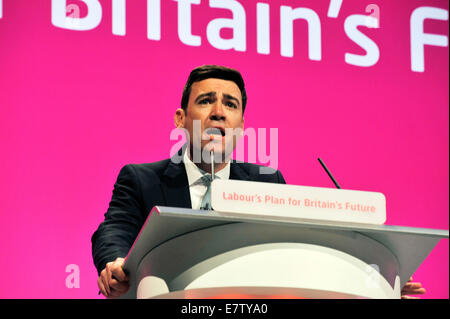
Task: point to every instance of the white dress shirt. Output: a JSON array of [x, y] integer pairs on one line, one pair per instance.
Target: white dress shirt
[[194, 174]]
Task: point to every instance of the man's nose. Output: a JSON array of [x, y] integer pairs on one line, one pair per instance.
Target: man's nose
[[217, 112]]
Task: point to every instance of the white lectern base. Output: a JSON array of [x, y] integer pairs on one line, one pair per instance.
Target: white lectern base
[[255, 293], [293, 269]]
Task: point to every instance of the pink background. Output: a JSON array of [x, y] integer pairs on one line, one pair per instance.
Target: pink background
[[77, 106]]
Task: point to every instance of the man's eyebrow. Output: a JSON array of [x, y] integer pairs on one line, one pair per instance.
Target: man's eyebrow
[[201, 96], [231, 97]]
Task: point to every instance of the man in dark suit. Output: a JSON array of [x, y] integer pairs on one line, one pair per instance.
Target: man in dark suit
[[213, 101]]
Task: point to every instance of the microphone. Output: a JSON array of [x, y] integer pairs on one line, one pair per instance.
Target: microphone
[[328, 172]]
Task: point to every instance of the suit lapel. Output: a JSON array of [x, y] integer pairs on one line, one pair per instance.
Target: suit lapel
[[237, 173], [175, 185]]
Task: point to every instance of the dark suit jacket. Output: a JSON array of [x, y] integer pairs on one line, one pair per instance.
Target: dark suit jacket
[[138, 189]]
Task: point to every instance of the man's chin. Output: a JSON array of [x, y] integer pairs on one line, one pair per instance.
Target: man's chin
[[220, 153]]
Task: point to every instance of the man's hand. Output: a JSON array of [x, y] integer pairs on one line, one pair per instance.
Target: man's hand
[[112, 281], [412, 288]]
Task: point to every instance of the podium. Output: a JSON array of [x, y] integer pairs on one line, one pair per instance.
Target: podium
[[184, 253]]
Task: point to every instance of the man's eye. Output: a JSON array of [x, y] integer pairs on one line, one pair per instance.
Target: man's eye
[[204, 101], [232, 105]]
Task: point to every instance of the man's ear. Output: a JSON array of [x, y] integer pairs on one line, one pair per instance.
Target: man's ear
[[179, 118]]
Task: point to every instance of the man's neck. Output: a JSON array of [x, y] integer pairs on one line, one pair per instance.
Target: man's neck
[[207, 167]]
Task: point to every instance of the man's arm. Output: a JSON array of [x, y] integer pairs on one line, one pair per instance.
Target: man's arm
[[280, 178], [123, 221]]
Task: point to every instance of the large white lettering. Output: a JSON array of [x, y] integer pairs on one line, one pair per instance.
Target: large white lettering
[[68, 17], [351, 29], [263, 28], [154, 19], [1, 9], [91, 21], [334, 8], [238, 42], [184, 23], [119, 17], [287, 17], [419, 39]]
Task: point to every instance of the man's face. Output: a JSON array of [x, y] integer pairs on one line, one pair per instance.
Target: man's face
[[216, 106]]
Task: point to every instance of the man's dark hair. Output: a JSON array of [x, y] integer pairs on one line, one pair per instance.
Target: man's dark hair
[[217, 72]]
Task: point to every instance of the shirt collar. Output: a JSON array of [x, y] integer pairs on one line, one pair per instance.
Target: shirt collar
[[194, 173]]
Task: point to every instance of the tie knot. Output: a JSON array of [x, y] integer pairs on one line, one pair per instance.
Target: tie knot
[[206, 180]]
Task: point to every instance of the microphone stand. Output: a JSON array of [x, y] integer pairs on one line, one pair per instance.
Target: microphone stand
[[212, 166]]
